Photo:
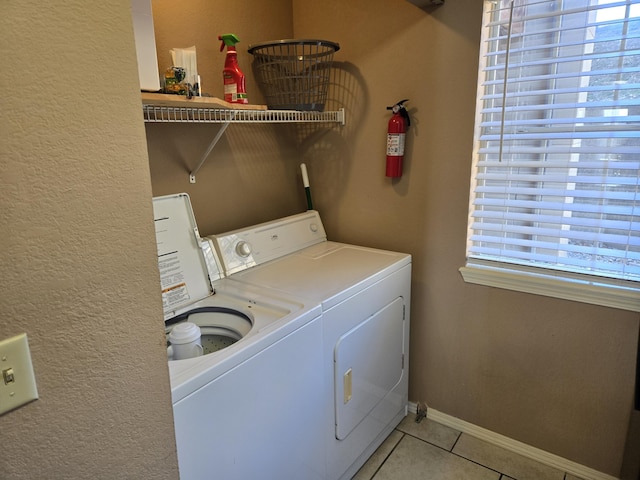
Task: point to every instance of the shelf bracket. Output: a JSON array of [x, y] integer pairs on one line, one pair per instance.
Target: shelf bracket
[[192, 174]]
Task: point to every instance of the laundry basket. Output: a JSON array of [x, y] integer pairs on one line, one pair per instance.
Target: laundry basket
[[294, 74]]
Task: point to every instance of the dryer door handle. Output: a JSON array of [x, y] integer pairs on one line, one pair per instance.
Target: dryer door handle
[[347, 381]]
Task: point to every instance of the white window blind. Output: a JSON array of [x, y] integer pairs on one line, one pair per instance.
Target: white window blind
[[556, 170]]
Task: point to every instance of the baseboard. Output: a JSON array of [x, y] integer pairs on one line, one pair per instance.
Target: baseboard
[[515, 446]]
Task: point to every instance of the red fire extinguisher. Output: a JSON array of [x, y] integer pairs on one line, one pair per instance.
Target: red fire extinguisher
[[396, 132]]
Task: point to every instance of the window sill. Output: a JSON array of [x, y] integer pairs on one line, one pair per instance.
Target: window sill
[[577, 288]]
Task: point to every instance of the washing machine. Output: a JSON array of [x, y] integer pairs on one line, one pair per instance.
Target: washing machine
[[365, 297], [242, 405]]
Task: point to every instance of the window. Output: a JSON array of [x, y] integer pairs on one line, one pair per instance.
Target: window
[[555, 188]]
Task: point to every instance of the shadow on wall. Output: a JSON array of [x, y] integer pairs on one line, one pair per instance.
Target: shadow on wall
[[631, 459], [257, 167], [452, 17], [428, 6], [326, 148]]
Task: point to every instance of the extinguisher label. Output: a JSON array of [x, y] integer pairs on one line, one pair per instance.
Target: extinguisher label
[[395, 144]]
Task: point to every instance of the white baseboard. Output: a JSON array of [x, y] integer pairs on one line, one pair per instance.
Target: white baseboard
[[515, 446]]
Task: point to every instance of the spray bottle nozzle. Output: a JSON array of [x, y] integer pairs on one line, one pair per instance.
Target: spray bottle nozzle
[[228, 39]]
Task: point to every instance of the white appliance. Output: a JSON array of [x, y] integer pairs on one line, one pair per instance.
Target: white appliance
[[243, 409], [145, 39], [365, 298]]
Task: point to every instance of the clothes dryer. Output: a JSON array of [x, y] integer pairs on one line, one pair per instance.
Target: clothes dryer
[[241, 410], [365, 297]]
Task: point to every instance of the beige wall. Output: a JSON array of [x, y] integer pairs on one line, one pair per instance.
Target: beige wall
[[554, 374], [250, 176], [78, 270], [75, 194]]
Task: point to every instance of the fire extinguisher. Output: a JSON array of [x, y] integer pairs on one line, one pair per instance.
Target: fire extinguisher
[[396, 131]]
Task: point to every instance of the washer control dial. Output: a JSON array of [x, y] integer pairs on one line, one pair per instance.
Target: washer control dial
[[243, 249]]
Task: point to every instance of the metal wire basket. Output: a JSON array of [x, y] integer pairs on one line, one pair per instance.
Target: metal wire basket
[[294, 74]]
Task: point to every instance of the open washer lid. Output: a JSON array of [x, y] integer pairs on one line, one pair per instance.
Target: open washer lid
[[188, 264]]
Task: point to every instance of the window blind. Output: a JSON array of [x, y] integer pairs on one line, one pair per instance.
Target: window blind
[[556, 171]]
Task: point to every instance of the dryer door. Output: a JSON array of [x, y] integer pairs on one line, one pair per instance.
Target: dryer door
[[369, 363]]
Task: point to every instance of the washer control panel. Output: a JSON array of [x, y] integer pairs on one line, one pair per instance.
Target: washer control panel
[[247, 247]]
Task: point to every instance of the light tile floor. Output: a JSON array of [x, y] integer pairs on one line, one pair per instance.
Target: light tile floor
[[431, 451]]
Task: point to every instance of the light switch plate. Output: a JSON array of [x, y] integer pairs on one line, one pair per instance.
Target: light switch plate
[[17, 380]]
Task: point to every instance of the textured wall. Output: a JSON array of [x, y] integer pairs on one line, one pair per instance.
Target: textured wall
[[78, 265]]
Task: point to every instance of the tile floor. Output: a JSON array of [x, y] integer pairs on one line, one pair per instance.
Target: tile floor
[[431, 451]]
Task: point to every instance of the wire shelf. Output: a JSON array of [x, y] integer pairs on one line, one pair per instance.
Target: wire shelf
[[163, 114], [155, 109]]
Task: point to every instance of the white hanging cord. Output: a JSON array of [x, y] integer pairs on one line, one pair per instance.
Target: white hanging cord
[[506, 76]]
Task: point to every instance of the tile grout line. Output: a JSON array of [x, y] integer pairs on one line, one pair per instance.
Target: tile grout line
[[502, 474], [442, 448], [389, 454], [562, 464], [456, 442]]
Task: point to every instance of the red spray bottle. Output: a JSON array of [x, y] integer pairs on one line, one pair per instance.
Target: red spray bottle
[[234, 84]]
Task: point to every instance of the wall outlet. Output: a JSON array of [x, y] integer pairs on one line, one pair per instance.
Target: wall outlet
[[17, 380]]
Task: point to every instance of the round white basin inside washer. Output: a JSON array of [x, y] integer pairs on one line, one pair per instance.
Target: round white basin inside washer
[[219, 326]]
